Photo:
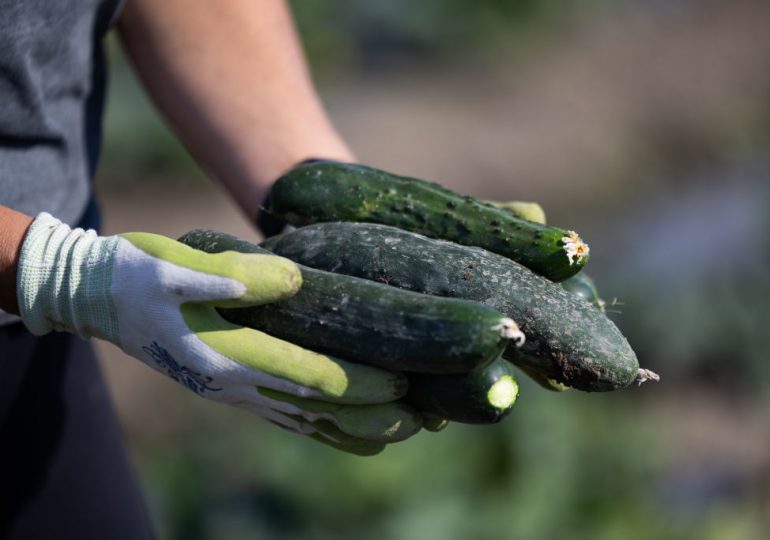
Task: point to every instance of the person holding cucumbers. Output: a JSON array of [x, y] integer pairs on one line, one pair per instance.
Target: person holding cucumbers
[[232, 81]]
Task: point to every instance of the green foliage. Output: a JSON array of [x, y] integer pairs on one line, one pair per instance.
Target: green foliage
[[352, 34], [698, 307], [561, 466]]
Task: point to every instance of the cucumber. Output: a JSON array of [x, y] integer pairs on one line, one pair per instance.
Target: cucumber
[[568, 340], [482, 396], [583, 286], [323, 191], [580, 284], [371, 323], [544, 382]]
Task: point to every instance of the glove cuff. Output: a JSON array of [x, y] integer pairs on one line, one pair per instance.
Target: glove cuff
[[268, 224], [64, 280]]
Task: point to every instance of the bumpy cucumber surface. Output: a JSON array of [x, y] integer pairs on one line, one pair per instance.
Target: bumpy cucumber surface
[[332, 191], [362, 321], [482, 396], [567, 339]]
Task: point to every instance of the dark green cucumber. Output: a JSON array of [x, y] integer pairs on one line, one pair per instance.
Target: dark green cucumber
[[582, 285], [567, 339], [362, 321], [331, 191], [539, 378], [482, 396]]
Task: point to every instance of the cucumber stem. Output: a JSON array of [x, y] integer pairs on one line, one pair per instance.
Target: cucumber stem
[[645, 375], [510, 330]]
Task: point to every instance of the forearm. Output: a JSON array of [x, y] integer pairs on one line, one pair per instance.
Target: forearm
[[13, 227], [231, 78]]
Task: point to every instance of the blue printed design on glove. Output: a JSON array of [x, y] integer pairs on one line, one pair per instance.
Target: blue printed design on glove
[[181, 374]]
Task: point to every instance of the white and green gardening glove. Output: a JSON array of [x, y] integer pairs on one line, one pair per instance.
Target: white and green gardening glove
[[527, 210], [155, 298]]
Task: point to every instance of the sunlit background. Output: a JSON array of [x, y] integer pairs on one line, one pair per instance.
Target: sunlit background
[[645, 125]]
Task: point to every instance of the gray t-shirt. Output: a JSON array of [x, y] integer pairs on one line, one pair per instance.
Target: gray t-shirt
[[52, 87]]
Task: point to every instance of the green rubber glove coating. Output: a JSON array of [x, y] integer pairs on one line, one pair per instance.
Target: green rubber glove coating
[[527, 210], [388, 422], [267, 278], [331, 377]]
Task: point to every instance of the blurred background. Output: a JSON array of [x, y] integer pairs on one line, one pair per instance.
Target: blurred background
[[645, 125]]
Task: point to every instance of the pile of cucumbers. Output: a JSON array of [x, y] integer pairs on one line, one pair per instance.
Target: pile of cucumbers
[[404, 274]]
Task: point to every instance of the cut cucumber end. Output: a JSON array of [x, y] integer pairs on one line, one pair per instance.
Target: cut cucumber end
[[645, 375], [503, 393]]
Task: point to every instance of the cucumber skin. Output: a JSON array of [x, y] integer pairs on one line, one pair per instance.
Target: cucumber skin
[[332, 191], [583, 286], [568, 340], [460, 397], [370, 323]]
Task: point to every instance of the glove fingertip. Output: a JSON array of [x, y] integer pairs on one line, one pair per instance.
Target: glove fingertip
[[384, 423], [434, 424], [359, 448], [267, 278]]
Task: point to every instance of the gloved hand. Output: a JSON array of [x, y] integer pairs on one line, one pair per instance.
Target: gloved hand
[[155, 298], [527, 210]]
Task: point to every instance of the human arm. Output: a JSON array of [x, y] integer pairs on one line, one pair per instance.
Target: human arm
[[13, 226], [232, 80]]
